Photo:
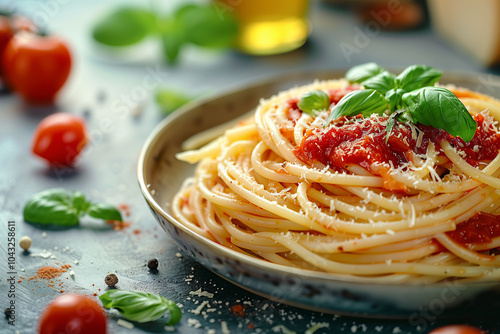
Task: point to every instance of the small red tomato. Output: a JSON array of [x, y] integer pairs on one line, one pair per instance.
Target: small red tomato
[[457, 329], [6, 32], [59, 138], [36, 66], [72, 313]]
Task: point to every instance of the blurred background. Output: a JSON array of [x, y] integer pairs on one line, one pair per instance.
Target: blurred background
[[115, 44], [131, 63]]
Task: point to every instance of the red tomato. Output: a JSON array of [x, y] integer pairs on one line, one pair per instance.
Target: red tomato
[[59, 138], [36, 66], [72, 313], [6, 32], [457, 329]]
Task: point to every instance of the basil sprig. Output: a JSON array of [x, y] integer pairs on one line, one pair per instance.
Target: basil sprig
[[141, 306], [203, 25], [412, 94], [314, 102], [58, 207]]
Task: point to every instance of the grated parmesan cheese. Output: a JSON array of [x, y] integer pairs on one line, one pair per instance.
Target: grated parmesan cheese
[[125, 324]]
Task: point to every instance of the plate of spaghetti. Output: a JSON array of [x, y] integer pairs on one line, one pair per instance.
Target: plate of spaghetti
[[362, 192]]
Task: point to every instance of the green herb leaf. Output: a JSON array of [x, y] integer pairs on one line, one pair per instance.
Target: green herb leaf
[[417, 76], [104, 211], [52, 206], [360, 73], [208, 27], [381, 82], [58, 207], [440, 108], [313, 102], [170, 100], [173, 39], [390, 125], [363, 101], [401, 116], [140, 306], [125, 26], [175, 313], [394, 97]]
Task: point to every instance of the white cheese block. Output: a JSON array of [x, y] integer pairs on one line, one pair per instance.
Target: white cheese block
[[473, 26]]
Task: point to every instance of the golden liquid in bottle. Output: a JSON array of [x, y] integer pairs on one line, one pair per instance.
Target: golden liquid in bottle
[[270, 26]]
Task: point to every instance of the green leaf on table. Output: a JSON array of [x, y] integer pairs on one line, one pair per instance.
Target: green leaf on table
[[440, 108], [169, 100], [125, 26], [206, 26], [104, 211], [141, 306], [417, 76], [313, 102], [52, 206], [58, 207], [360, 73], [363, 101]]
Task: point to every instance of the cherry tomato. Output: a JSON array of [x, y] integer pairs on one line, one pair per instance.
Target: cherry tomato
[[59, 138], [36, 66], [6, 32], [72, 313], [457, 329]]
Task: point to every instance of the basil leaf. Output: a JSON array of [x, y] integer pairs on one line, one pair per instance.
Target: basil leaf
[[125, 26], [58, 207], [175, 313], [208, 27], [417, 76], [104, 212], [172, 38], [360, 73], [313, 102], [381, 82], [363, 101], [140, 306], [52, 206], [394, 97], [440, 108], [170, 100], [79, 202]]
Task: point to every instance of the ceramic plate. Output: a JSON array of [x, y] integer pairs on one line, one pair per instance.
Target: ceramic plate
[[161, 175]]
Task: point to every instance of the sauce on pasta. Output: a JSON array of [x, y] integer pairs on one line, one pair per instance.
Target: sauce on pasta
[[364, 141], [480, 229]]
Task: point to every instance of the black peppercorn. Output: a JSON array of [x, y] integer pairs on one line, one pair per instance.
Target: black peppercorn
[[111, 280], [153, 264], [8, 313]]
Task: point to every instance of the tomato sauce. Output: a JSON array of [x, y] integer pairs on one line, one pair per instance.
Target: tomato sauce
[[364, 141], [480, 229]]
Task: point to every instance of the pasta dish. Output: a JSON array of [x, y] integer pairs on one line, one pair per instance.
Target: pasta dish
[[376, 177]]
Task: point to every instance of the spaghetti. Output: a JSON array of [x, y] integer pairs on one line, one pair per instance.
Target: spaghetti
[[348, 199]]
